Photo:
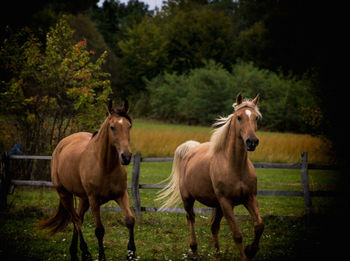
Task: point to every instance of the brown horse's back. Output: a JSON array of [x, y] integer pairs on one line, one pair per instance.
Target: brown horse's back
[[65, 163]]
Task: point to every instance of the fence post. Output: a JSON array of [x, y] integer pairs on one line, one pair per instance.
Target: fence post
[[135, 185], [305, 182], [5, 180]]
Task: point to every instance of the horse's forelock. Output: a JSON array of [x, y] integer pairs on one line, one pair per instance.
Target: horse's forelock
[[247, 103], [122, 113]]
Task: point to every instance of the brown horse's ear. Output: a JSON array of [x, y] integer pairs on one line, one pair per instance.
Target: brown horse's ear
[[110, 107], [239, 99], [256, 99], [126, 106]]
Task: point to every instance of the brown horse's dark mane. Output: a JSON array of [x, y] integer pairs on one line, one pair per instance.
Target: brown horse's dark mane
[[122, 113], [119, 112]]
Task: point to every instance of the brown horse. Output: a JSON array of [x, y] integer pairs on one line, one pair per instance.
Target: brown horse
[[91, 167], [220, 175]]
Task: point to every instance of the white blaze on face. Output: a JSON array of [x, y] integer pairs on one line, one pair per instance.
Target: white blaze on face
[[248, 112], [120, 121]]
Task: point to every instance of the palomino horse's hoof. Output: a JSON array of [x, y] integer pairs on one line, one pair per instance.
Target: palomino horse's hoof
[[250, 251]]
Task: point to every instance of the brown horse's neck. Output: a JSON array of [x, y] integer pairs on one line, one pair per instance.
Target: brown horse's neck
[[235, 150], [106, 153]]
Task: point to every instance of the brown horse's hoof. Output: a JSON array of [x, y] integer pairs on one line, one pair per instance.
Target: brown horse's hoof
[[250, 251], [131, 255], [86, 257]]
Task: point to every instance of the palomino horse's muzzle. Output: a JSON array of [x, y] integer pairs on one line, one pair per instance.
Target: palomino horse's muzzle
[[251, 143], [125, 158]]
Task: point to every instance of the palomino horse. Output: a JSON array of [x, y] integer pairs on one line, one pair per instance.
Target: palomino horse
[[220, 175], [91, 167]]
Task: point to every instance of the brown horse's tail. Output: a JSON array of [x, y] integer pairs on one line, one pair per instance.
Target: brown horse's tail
[[57, 222], [172, 189]]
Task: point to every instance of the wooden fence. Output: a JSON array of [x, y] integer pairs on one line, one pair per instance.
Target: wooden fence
[[7, 184]]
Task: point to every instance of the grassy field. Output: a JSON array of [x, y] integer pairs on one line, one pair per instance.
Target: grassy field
[[164, 236], [288, 234]]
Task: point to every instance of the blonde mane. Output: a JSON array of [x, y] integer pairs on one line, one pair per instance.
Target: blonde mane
[[218, 138]]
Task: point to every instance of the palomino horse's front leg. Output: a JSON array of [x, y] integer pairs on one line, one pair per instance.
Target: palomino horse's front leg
[[227, 210], [123, 202], [252, 207], [215, 226]]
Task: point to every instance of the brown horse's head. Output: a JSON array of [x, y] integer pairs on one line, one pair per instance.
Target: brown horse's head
[[246, 116], [119, 126]]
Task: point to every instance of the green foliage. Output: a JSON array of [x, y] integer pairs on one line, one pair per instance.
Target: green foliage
[[194, 98], [55, 87], [205, 93], [143, 53]]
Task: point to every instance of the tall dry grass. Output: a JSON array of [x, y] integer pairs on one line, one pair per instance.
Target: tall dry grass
[[155, 139], [287, 148]]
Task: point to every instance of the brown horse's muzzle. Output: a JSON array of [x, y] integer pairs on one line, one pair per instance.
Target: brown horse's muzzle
[[251, 143], [125, 157]]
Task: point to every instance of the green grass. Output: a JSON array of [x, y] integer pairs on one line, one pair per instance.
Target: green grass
[[165, 236]]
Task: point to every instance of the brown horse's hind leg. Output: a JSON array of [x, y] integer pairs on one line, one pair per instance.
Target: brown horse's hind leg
[[215, 226], [123, 202], [67, 201], [83, 207], [188, 205], [252, 207]]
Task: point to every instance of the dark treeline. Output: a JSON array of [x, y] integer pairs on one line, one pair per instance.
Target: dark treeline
[[191, 48]]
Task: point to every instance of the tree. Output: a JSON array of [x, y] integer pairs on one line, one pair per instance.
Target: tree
[[143, 54], [57, 89]]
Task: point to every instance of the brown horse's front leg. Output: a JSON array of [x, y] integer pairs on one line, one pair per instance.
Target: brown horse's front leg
[[99, 230], [123, 202], [252, 207]]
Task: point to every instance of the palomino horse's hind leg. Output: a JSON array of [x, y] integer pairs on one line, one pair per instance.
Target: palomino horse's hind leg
[[67, 201], [188, 205], [252, 207], [123, 202], [215, 226], [83, 207], [227, 209]]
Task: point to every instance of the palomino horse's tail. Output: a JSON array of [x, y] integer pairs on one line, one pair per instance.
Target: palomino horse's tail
[[172, 189], [57, 222]]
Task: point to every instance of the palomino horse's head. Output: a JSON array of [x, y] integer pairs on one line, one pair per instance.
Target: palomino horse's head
[[246, 116], [119, 126]]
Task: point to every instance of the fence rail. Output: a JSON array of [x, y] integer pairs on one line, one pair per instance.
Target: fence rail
[[7, 184]]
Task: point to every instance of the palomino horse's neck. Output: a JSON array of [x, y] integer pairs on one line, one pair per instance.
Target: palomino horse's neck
[[235, 150], [107, 154]]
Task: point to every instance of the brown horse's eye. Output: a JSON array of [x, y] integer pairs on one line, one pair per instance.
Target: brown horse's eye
[[112, 128], [239, 118]]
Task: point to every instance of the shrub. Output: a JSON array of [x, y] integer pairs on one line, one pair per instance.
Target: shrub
[[206, 93]]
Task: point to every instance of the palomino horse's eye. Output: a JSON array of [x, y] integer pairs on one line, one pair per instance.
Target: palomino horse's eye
[[239, 118]]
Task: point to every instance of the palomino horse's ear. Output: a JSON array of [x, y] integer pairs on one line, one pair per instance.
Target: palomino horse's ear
[[126, 106], [256, 99], [239, 99]]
